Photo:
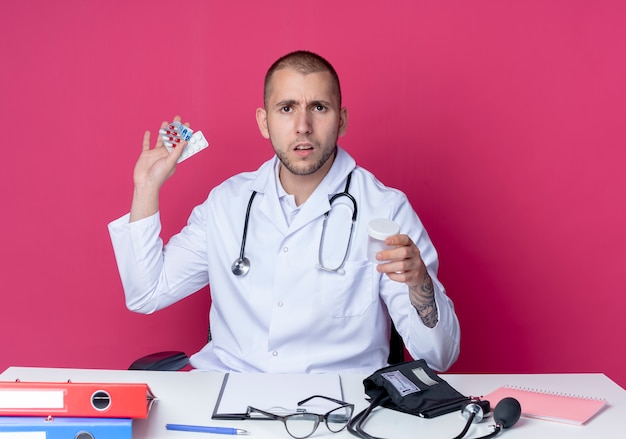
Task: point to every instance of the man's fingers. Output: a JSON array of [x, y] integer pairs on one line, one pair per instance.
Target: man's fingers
[[178, 144], [146, 141], [177, 150]]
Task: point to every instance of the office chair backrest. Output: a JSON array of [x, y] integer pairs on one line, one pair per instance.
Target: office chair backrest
[[396, 347], [177, 360]]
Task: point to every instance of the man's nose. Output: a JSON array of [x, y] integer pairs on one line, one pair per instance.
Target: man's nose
[[303, 123]]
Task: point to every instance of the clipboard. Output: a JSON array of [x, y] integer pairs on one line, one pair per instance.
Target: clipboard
[[275, 393]]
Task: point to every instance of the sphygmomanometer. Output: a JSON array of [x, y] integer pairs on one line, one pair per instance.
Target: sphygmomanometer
[[414, 388]]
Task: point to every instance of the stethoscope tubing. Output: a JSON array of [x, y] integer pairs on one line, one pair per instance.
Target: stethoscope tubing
[[245, 225], [242, 265]]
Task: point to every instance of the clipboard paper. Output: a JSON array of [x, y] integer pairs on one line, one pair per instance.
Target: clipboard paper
[[275, 393]]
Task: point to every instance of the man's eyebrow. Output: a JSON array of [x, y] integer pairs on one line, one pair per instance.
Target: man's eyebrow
[[321, 102], [292, 102], [286, 103]]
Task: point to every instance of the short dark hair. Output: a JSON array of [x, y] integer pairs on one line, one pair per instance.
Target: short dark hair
[[304, 62]]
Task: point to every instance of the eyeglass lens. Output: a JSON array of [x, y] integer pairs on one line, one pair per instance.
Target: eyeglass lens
[[303, 425], [337, 419]]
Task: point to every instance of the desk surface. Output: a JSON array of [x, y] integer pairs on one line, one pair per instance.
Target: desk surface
[[189, 398]]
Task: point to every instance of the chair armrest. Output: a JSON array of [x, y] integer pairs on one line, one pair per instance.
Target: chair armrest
[[162, 361]]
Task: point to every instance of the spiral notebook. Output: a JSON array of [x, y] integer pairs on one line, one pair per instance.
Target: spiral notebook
[[569, 409]]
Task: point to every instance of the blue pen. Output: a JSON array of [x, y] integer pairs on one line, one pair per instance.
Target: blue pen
[[205, 429]]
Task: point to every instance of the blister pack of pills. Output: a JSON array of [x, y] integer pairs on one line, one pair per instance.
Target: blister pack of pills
[[176, 132]]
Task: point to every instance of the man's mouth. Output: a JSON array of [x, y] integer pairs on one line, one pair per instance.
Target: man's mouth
[[303, 147], [304, 150]]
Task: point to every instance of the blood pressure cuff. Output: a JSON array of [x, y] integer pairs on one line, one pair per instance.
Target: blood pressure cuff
[[412, 387]]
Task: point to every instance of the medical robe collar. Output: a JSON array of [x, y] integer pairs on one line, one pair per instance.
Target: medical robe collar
[[315, 206]]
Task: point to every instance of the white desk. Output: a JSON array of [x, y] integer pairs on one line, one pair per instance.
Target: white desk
[[189, 398]]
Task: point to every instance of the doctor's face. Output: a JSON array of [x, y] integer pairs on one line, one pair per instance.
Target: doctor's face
[[303, 120]]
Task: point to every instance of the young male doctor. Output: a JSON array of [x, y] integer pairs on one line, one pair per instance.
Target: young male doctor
[[301, 295]]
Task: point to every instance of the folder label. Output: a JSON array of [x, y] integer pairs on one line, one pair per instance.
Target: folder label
[[31, 399], [23, 435]]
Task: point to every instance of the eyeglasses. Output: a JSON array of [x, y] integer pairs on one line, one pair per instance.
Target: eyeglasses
[[303, 425]]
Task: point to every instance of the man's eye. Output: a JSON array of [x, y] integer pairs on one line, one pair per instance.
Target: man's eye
[[285, 109], [319, 108]]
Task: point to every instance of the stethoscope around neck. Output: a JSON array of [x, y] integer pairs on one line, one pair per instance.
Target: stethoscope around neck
[[241, 266]]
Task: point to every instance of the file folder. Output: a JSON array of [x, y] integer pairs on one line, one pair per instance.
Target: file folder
[[40, 427], [75, 399]]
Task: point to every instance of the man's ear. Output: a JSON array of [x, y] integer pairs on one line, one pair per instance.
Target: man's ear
[[261, 120], [343, 121]]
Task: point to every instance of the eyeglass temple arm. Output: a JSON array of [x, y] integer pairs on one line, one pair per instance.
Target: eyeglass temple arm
[[268, 414], [324, 397]]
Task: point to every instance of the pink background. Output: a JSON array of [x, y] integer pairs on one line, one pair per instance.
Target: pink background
[[503, 121]]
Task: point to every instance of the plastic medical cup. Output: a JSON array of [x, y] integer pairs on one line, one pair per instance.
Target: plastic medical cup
[[378, 230]]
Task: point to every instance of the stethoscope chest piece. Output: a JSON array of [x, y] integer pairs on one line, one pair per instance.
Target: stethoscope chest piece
[[241, 266]]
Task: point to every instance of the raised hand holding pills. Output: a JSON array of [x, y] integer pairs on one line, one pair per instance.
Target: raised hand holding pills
[[176, 132]]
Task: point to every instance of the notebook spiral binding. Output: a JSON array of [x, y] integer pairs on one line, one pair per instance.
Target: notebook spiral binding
[[550, 392]]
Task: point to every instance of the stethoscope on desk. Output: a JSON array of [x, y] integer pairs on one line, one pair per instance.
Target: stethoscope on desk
[[241, 266]]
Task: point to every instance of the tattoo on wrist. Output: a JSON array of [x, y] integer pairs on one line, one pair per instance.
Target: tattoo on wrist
[[427, 286], [427, 306], [428, 313], [424, 291]]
